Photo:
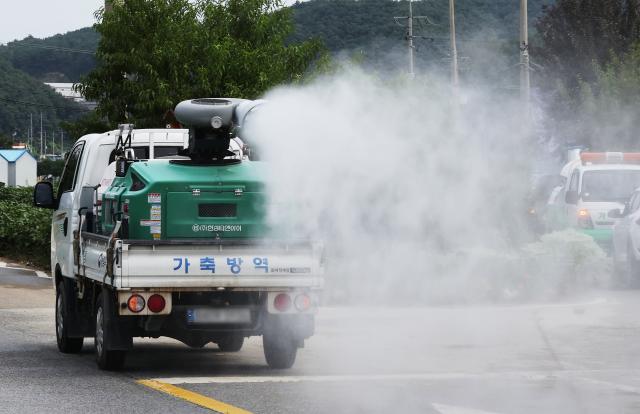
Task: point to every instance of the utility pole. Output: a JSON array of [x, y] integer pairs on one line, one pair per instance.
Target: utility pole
[[53, 142], [410, 39], [41, 141], [525, 81], [409, 26], [61, 142], [454, 48], [31, 131]]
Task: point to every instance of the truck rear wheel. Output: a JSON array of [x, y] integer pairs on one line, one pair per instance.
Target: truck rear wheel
[[279, 349], [107, 359], [66, 344], [231, 343]]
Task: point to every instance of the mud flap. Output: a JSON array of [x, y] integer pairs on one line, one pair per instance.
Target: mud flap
[[118, 332], [78, 325]]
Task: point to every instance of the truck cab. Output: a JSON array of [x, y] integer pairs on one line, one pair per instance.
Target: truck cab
[[85, 167], [597, 183]]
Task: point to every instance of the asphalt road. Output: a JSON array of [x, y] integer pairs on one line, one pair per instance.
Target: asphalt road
[[578, 356]]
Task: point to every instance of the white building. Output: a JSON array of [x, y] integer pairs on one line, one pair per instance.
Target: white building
[[18, 168], [67, 91]]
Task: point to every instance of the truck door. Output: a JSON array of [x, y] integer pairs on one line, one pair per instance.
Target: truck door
[[65, 218], [632, 228], [572, 209], [622, 227]]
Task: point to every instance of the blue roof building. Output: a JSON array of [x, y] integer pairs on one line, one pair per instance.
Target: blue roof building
[[18, 168]]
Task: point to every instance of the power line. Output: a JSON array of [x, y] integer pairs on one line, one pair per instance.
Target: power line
[[61, 108], [52, 48], [409, 33]]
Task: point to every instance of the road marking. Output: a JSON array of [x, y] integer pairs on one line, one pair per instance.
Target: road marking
[[42, 274], [509, 375], [451, 409], [351, 378], [193, 397]]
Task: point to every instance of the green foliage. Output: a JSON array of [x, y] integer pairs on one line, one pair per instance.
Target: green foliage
[[60, 58], [485, 29], [22, 195], [575, 34], [585, 48], [608, 106], [155, 53], [87, 124], [22, 95], [5, 142], [50, 167], [24, 230]]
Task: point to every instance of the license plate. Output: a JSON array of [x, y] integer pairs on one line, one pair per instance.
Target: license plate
[[218, 316]]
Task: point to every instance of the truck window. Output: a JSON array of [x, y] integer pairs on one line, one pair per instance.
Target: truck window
[[609, 185], [68, 179]]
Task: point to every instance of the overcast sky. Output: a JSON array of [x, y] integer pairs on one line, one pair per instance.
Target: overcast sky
[[43, 18]]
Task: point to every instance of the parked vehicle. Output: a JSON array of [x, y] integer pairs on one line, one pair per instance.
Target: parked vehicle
[[177, 244], [597, 183], [626, 239]]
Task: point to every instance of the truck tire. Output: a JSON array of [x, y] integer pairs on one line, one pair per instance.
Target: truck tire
[[66, 345], [108, 360], [279, 350], [231, 343]]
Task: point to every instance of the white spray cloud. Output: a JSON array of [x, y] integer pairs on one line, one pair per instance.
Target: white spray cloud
[[418, 193]]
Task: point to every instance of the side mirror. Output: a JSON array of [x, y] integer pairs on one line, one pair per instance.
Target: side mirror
[[571, 197], [43, 195], [615, 213]]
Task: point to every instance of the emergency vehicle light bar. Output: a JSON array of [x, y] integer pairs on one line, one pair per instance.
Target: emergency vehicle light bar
[[610, 157]]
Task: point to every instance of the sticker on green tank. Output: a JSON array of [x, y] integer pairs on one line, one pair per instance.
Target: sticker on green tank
[[155, 213]]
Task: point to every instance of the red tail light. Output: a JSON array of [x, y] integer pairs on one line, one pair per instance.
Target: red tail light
[[282, 302], [156, 303]]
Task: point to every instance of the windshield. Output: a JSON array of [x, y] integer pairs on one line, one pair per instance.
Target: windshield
[[609, 185]]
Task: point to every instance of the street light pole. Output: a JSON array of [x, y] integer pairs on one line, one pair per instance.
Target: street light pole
[[410, 31], [454, 48]]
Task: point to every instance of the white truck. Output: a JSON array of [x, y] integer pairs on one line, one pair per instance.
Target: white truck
[[113, 287], [596, 184]]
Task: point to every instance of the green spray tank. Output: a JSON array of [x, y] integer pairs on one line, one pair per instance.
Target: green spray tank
[[207, 192]]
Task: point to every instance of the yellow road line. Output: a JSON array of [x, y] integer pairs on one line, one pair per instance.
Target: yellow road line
[[193, 397]]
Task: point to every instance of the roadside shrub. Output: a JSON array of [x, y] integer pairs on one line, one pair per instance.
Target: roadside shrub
[[22, 195], [24, 230]]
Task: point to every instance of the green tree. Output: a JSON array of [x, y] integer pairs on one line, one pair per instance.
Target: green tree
[[575, 39], [59, 58], [50, 167], [5, 142], [88, 124], [155, 53], [609, 107]]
